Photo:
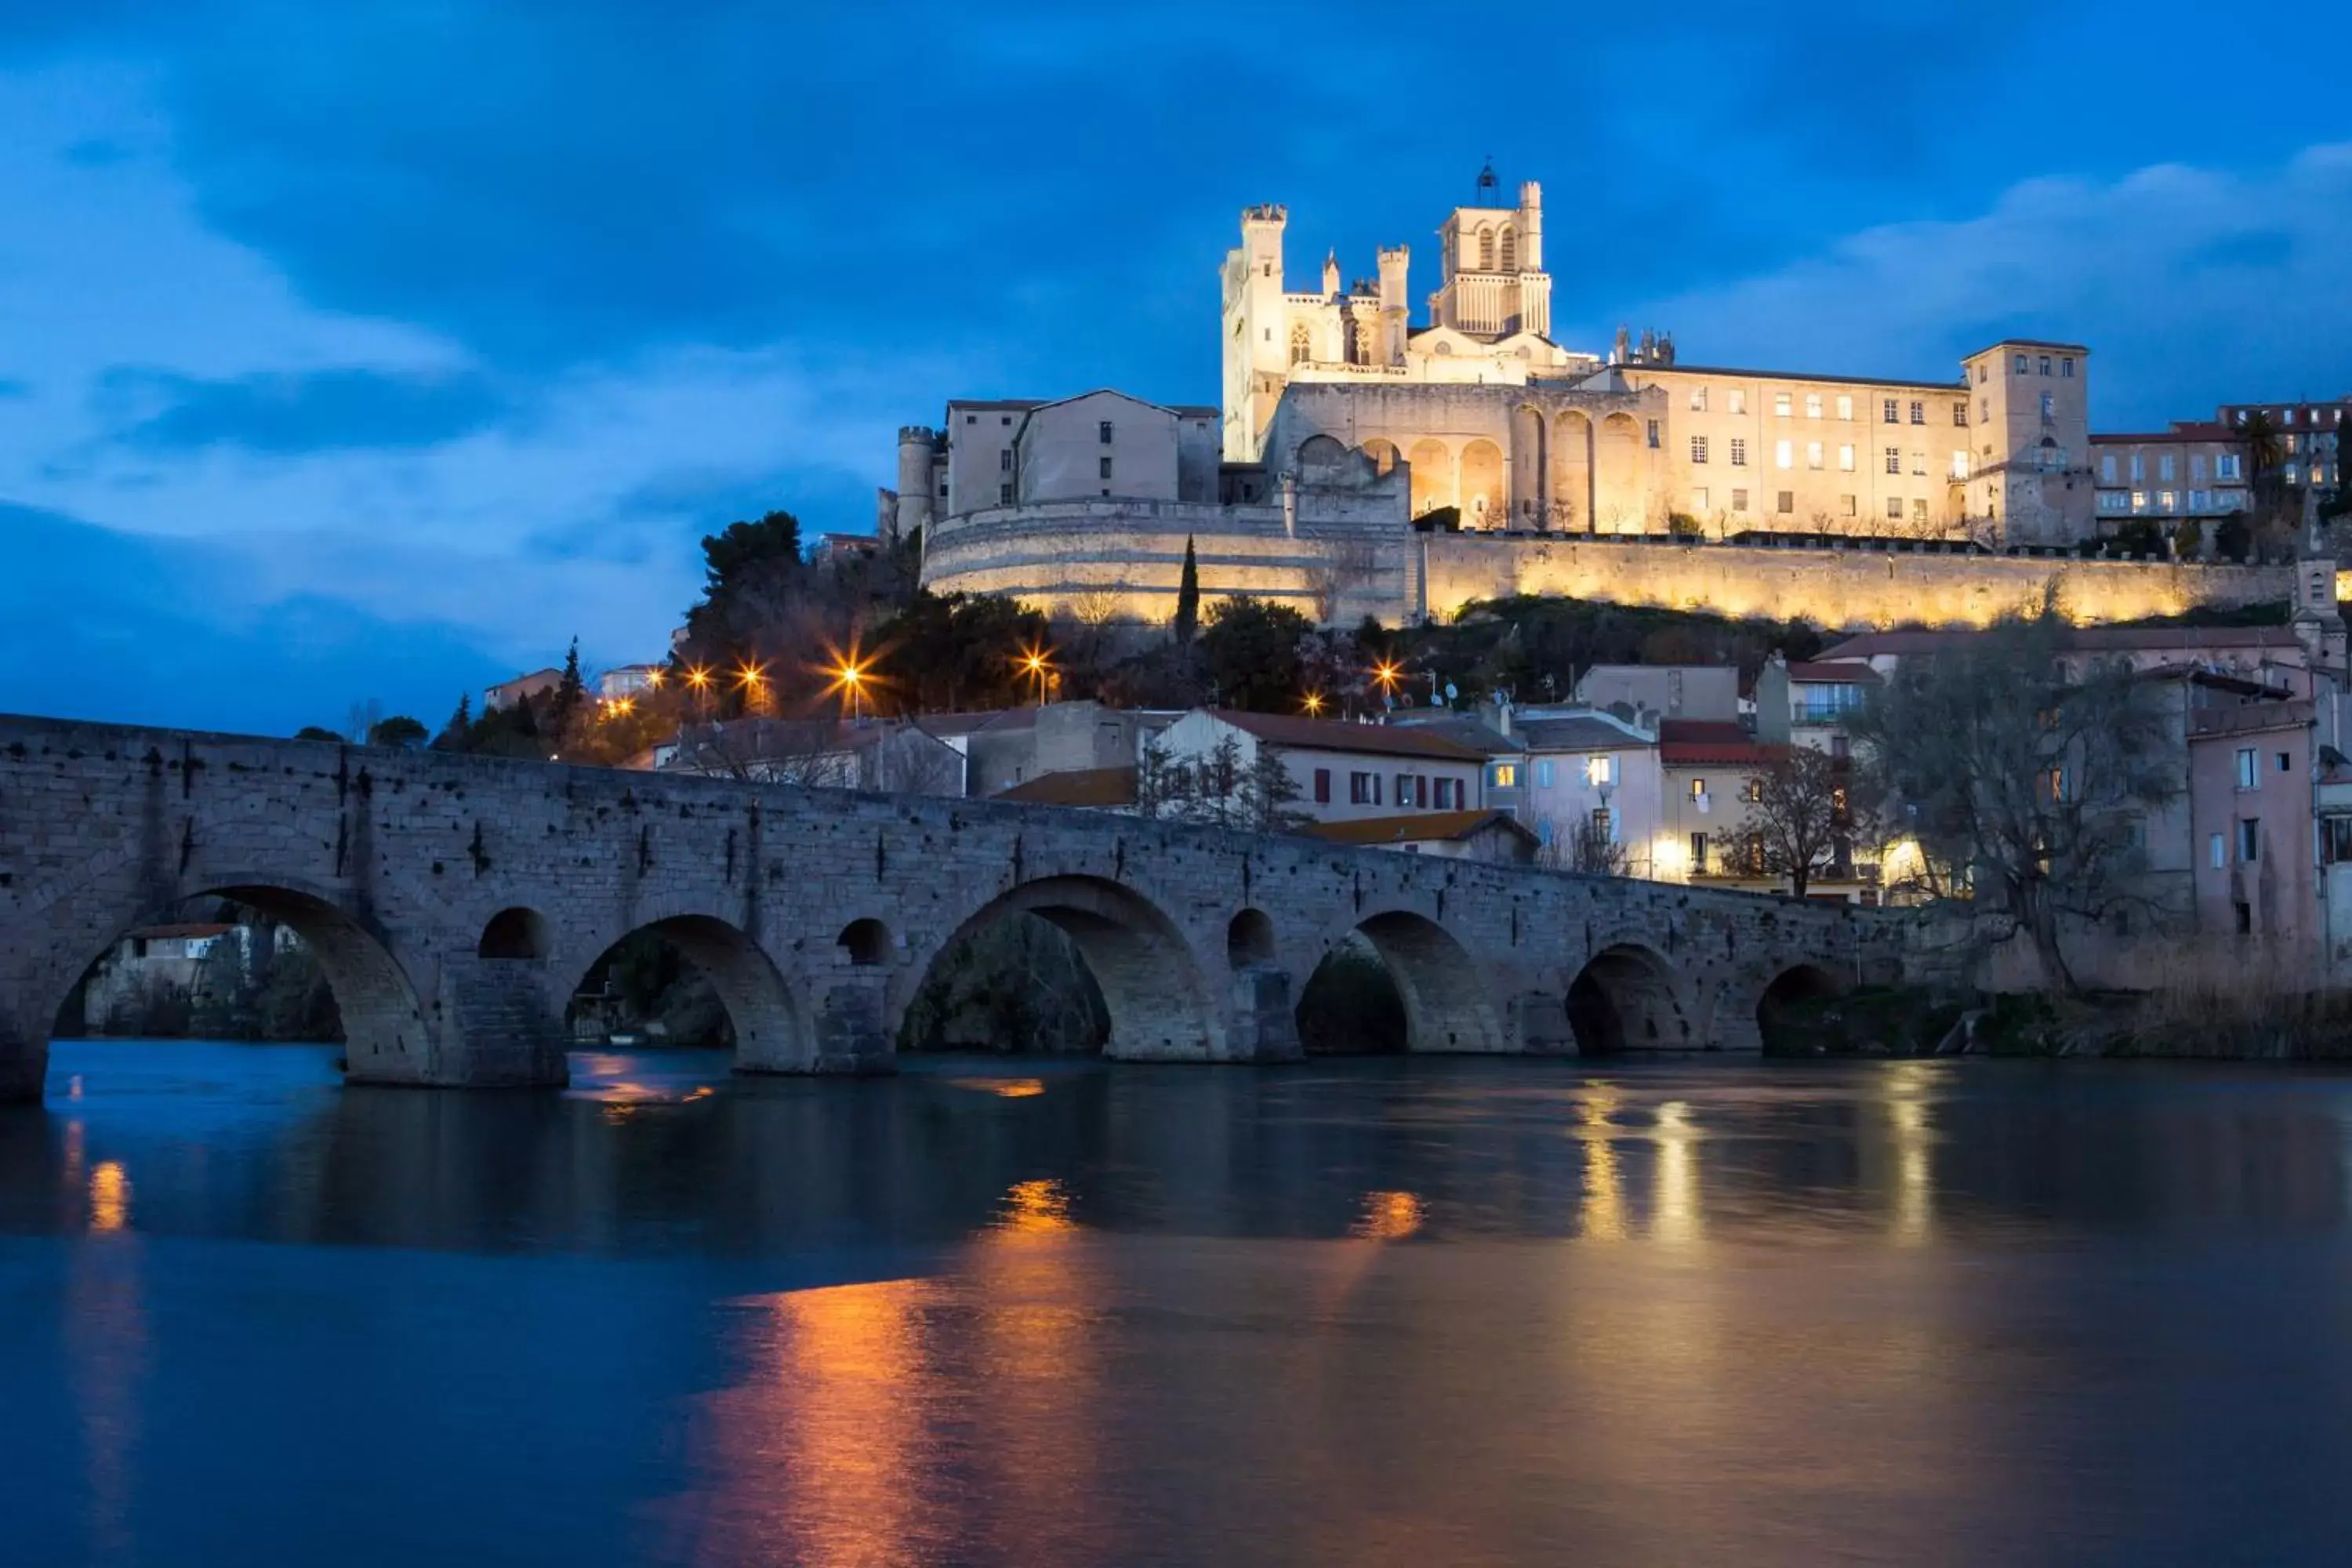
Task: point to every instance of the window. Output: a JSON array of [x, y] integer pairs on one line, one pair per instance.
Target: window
[[1507, 775], [1894, 508], [1449, 795], [1984, 369], [2107, 468], [1103, 464], [1698, 789], [2045, 364], [1813, 405], [1322, 786], [1918, 509], [2167, 501], [1783, 454], [1102, 433], [2196, 465], [1894, 411], [1845, 408], [1894, 459], [2285, 763], [1788, 501], [1812, 454], [1699, 499], [2200, 500], [2138, 467], [1601, 771], [2164, 466], [1698, 400], [1360, 789], [972, 419], [1739, 501], [2139, 500], [2247, 776], [1961, 465], [1780, 404], [2214, 852], [1984, 412], [1739, 452], [1301, 345], [1403, 790], [1544, 773], [1753, 791], [1918, 412], [1918, 462], [1738, 400], [1004, 495], [2250, 840], [1004, 461], [1654, 435], [2048, 405], [1698, 854], [1845, 506], [2335, 839], [1961, 411], [2067, 368], [1602, 828], [2020, 364], [1845, 457]]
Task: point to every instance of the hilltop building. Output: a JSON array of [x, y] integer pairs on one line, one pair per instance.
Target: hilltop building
[[1361, 464]]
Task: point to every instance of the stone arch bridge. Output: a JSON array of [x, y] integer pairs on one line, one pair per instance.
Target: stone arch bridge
[[456, 903]]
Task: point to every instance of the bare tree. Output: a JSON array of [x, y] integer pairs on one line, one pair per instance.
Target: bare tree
[[2029, 779], [1590, 850], [1342, 567], [1807, 812]]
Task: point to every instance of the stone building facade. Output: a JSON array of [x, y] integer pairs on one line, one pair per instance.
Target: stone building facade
[[1362, 464]]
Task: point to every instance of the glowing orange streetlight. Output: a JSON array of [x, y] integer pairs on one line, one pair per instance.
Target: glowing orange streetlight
[[655, 677], [851, 675], [1037, 663], [1387, 673], [1314, 705]]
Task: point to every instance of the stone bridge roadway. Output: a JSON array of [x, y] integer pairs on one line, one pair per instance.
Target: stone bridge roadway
[[457, 902]]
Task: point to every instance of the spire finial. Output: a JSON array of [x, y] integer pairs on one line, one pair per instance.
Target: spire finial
[[1488, 184]]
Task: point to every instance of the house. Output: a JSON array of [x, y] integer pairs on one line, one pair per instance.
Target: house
[[521, 688], [1592, 794], [1094, 789], [1808, 703], [1668, 690], [1479, 835], [629, 681], [149, 964], [2250, 824], [1490, 732], [1340, 770]]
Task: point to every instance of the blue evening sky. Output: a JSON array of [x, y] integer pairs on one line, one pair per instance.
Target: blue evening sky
[[373, 351]]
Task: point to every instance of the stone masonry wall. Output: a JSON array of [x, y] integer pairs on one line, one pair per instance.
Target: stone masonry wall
[[394, 863]]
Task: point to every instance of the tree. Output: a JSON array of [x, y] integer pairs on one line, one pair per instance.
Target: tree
[[571, 692], [2188, 539], [1808, 812], [1587, 850], [457, 734], [318, 733], [1188, 597], [1251, 651], [2234, 538], [2029, 776], [2265, 447], [399, 732]]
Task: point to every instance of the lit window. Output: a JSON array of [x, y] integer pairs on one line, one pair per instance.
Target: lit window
[[2167, 501], [1739, 501], [1894, 459], [1738, 400], [1812, 454], [1698, 400], [1894, 411], [1918, 412], [1813, 405], [1845, 457], [1699, 499], [1783, 454], [1780, 404], [1698, 789], [1846, 407], [1961, 465], [1918, 509], [1507, 775], [1920, 463]]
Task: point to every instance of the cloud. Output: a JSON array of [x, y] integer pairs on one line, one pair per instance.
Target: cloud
[[98, 625], [2191, 286], [313, 411]]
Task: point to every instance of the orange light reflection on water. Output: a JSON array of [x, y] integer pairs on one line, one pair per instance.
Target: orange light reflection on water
[[109, 1197]]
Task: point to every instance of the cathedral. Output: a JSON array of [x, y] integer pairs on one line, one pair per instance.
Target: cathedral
[[1359, 462]]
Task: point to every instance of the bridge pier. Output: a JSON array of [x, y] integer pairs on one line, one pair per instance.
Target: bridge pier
[[1262, 1026], [499, 1030], [1538, 1022], [854, 1031]]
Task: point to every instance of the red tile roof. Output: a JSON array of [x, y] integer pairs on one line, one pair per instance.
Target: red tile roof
[[1299, 733], [1078, 786], [1806, 669], [1420, 827]]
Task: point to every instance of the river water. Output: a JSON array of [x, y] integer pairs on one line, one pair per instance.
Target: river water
[[1366, 1312]]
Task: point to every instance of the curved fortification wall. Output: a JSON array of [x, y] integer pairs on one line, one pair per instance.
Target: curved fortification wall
[[1101, 559]]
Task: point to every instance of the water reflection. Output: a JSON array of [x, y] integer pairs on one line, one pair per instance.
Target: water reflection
[[1882, 1311]]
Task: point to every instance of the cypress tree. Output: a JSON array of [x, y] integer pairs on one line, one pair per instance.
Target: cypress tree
[[1188, 597], [569, 692]]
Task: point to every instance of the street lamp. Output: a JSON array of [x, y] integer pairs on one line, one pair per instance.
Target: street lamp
[[1314, 705], [849, 678], [1037, 663], [1386, 673]]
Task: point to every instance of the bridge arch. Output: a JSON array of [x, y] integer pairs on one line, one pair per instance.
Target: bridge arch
[[1249, 939], [1150, 981], [1801, 982], [518, 933], [771, 1034], [1448, 1001], [385, 1033], [1628, 997]]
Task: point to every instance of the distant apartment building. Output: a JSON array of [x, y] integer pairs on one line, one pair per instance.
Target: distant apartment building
[[2193, 470], [1340, 772], [2311, 438]]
